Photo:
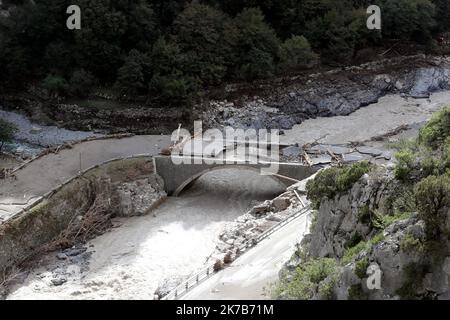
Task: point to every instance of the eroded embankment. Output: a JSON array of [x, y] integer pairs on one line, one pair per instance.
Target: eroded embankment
[[80, 210]]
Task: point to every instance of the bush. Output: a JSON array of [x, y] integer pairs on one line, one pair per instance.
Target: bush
[[55, 85], [334, 180], [350, 253], [173, 89], [409, 244], [437, 130], [361, 267], [355, 292], [306, 279], [405, 164], [326, 288], [414, 275], [228, 258], [7, 131], [296, 53], [208, 37], [432, 199]]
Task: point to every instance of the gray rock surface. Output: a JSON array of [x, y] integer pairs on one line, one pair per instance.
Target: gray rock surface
[[335, 93], [404, 269], [139, 197]]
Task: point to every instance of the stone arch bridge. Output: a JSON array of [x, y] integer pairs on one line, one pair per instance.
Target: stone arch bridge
[[178, 176]]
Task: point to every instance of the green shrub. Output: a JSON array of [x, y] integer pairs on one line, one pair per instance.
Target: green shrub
[[352, 174], [356, 292], [350, 253], [258, 46], [131, 76], [370, 217], [387, 220], [432, 195], [445, 163], [361, 267], [413, 276], [354, 240], [306, 279], [207, 36], [404, 203], [430, 166], [296, 53], [405, 164], [437, 130], [332, 181], [409, 244], [326, 288]]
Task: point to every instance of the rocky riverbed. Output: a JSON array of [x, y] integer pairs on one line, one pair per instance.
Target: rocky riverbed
[[31, 137], [334, 93]]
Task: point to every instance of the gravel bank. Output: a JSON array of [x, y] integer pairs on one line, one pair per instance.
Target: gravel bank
[[32, 137]]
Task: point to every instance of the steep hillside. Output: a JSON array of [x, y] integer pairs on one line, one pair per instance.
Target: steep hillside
[[392, 221]]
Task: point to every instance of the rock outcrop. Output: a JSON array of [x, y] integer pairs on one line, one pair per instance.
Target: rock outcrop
[[139, 197], [334, 93], [278, 103], [366, 235]]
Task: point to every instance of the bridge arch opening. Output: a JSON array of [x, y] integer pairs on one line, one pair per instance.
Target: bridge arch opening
[[189, 182]]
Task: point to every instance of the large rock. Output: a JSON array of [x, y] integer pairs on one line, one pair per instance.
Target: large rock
[[339, 218], [139, 197], [281, 204]]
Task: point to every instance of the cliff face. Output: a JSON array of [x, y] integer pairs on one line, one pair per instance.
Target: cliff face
[[356, 229], [374, 227]]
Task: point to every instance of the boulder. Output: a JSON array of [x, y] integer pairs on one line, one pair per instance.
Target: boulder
[[281, 204]]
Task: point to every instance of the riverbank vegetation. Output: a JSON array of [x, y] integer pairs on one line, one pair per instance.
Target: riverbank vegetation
[[169, 51]]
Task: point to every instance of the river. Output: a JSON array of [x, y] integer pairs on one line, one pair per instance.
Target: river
[[130, 261]]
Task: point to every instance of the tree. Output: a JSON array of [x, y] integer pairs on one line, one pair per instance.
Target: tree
[[258, 45], [130, 78], [337, 34], [170, 84], [99, 42], [207, 37], [403, 19], [442, 14], [7, 131], [55, 85], [296, 53]]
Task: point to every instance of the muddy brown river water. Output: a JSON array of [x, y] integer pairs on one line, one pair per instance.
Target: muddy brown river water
[[175, 240]]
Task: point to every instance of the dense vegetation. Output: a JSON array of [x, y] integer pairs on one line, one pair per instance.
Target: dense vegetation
[[167, 50]]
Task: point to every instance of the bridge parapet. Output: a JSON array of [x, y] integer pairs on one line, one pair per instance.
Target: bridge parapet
[[178, 176]]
